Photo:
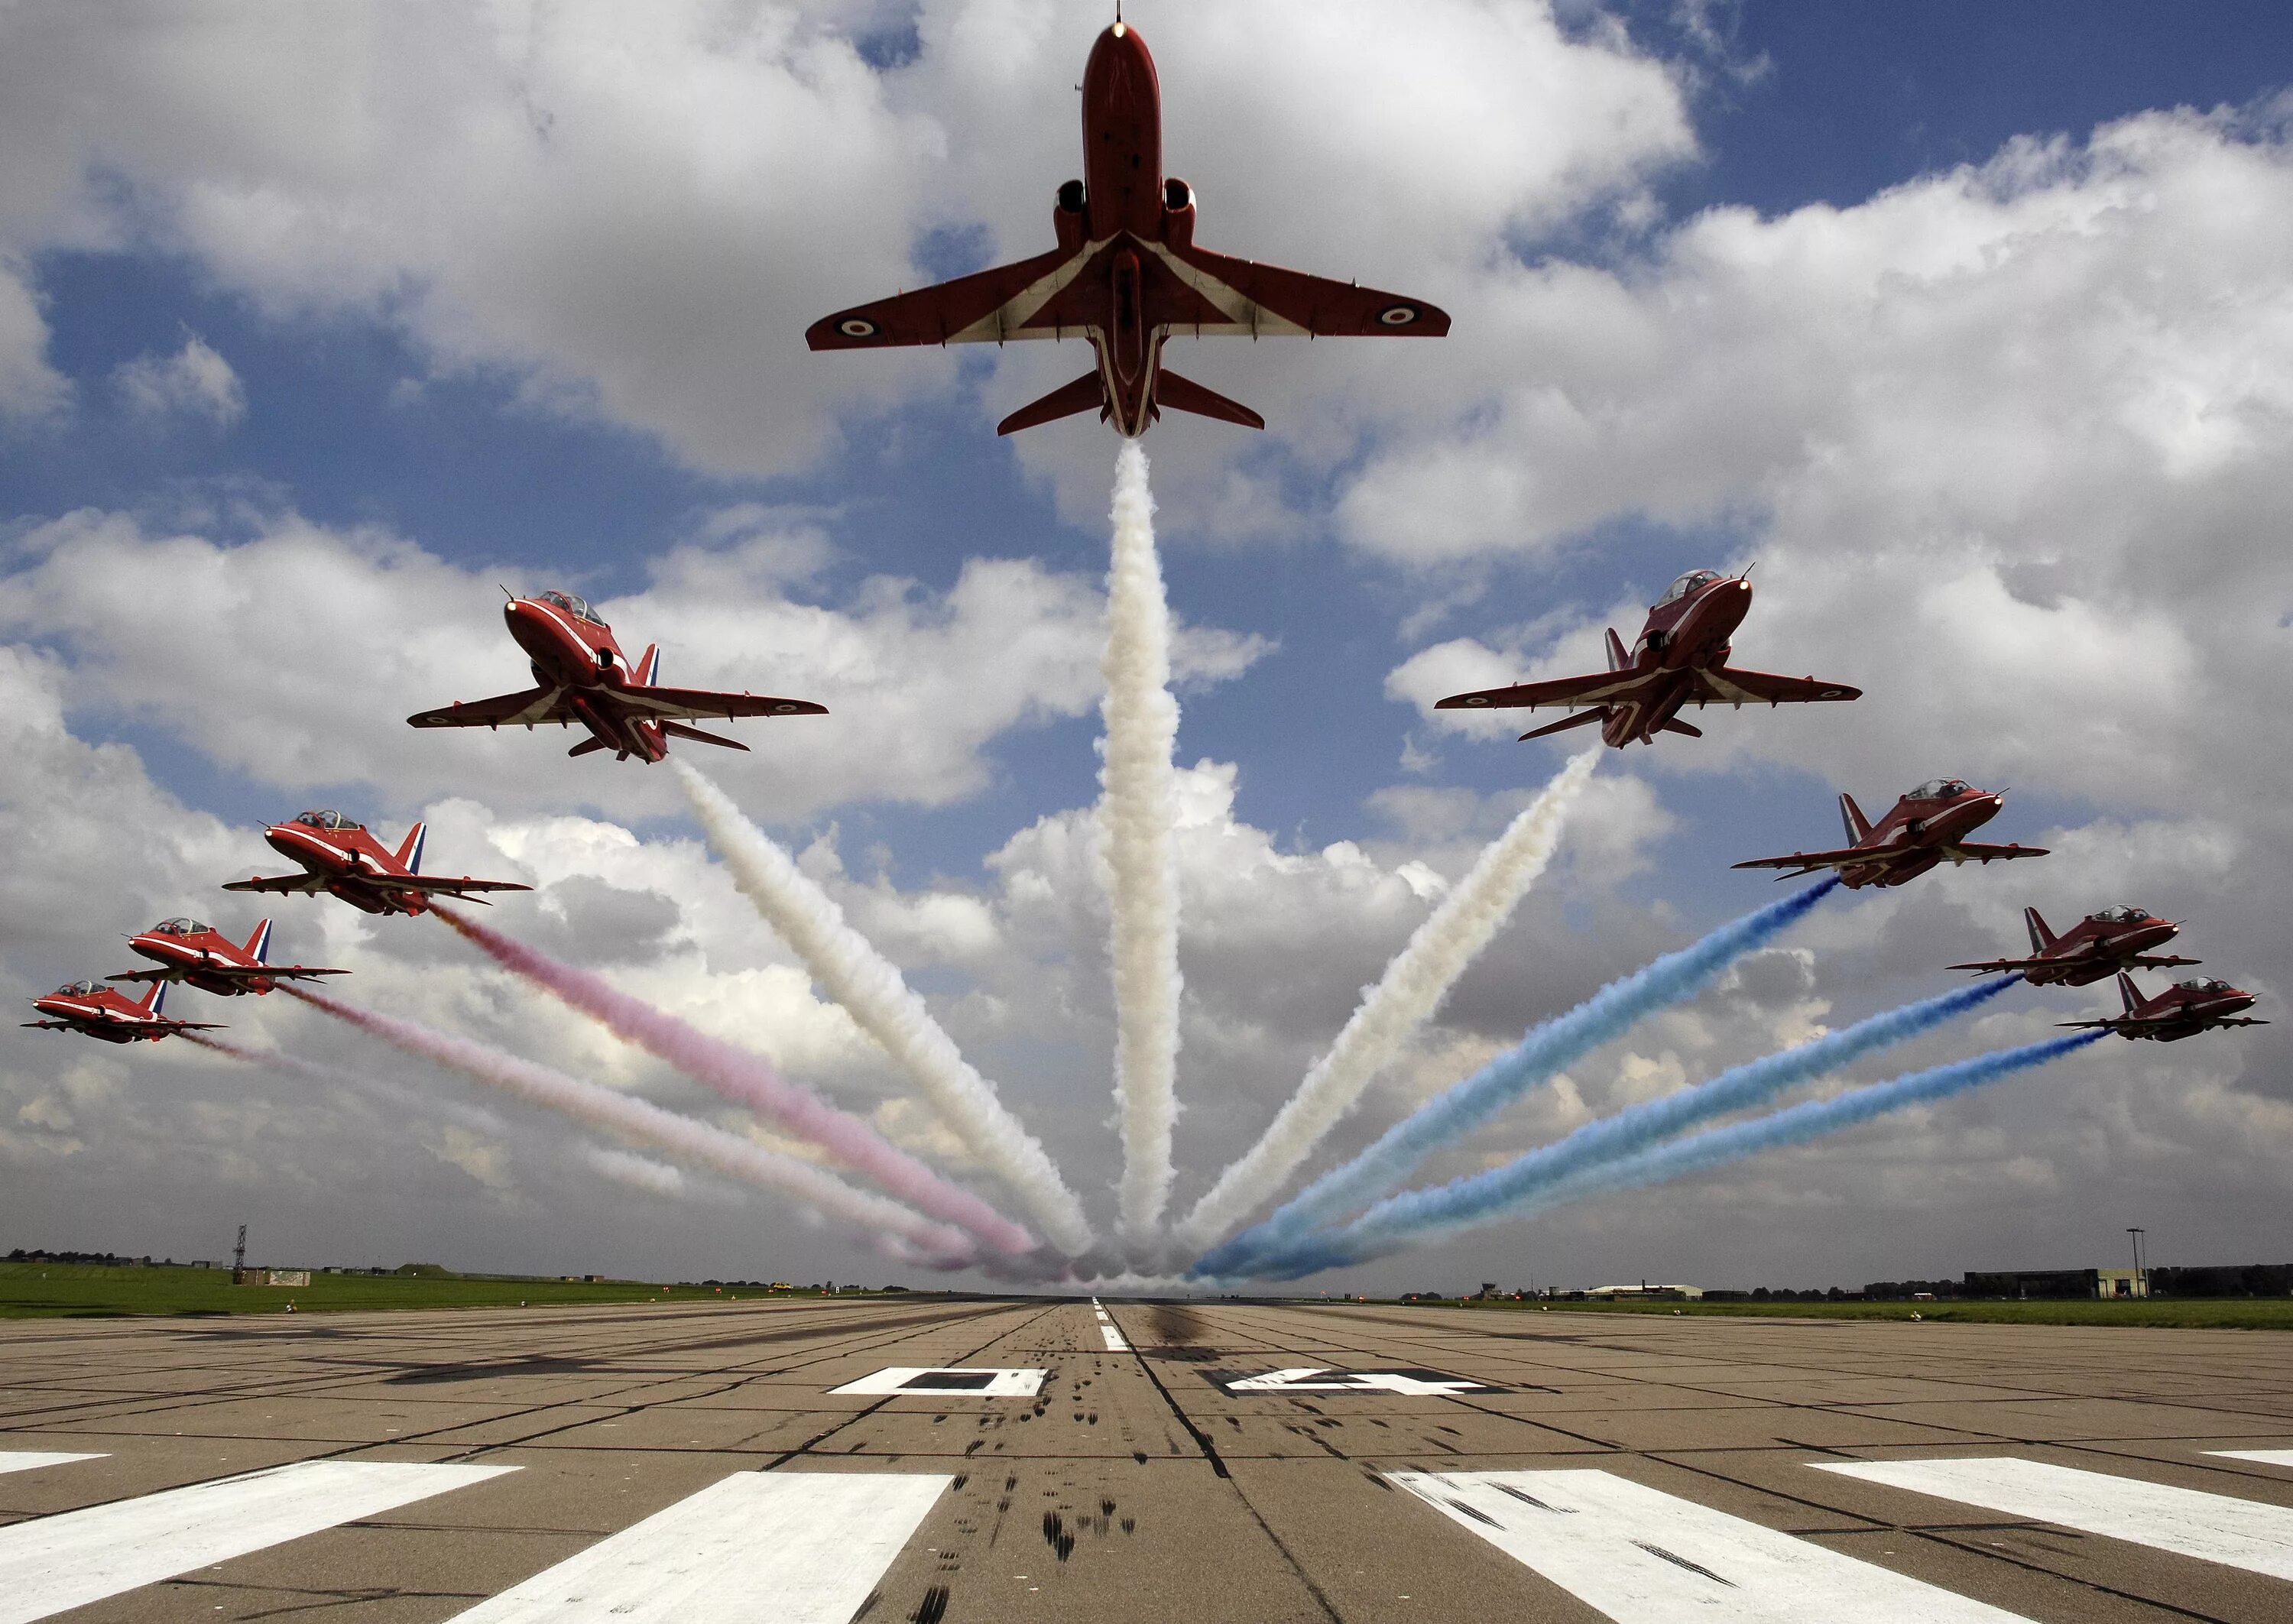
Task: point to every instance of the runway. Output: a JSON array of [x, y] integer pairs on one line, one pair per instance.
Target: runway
[[1060, 1462]]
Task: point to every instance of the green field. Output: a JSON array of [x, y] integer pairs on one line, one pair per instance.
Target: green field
[[29, 1289], [2208, 1313]]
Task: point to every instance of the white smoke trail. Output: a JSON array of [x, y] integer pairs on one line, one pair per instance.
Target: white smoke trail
[[1411, 989], [870, 988], [1136, 813], [642, 1120]]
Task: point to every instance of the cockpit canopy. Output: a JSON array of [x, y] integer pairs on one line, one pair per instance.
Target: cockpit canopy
[[328, 820], [1938, 789], [2205, 984], [80, 989], [1689, 583], [179, 927], [2119, 915], [576, 607]]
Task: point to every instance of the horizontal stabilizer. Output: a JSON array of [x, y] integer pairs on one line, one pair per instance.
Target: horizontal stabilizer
[[1185, 395], [1677, 726], [587, 746], [1579, 720], [679, 731], [1087, 393]]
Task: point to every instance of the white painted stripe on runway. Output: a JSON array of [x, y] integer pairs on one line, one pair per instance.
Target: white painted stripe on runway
[[2211, 1527], [793, 1547], [1639, 1554], [51, 1564], [2267, 1458], [32, 1460], [950, 1381], [1114, 1342]]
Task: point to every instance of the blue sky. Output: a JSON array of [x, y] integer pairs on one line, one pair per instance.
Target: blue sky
[[399, 381]]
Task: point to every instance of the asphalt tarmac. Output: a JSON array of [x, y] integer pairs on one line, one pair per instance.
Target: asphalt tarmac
[[1382, 1464]]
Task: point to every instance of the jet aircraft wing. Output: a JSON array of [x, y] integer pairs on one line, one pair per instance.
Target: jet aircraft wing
[[1808, 862], [168, 1025], [521, 709], [286, 884], [1728, 685], [1599, 688], [2146, 961], [1976, 851], [675, 702], [252, 972], [428, 883], [987, 306], [1266, 300]]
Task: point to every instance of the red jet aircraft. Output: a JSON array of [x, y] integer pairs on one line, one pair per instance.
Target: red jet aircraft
[[343, 858], [94, 1010], [1680, 659], [586, 679], [1926, 827], [1126, 276], [2101, 944], [189, 950], [2183, 1010]]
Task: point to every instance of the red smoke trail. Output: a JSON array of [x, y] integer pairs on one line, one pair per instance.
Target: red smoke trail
[[899, 1232], [750, 1081]]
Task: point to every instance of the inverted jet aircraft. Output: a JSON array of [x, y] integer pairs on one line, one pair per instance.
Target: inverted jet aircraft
[[94, 1010], [191, 950], [1680, 659], [1126, 276], [343, 858], [2101, 944], [2183, 1010], [1928, 826], [585, 679]]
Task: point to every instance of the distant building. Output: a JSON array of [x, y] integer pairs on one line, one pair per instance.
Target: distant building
[[1664, 1293], [2121, 1282]]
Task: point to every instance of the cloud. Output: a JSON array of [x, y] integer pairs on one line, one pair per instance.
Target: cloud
[[187, 631], [195, 381]]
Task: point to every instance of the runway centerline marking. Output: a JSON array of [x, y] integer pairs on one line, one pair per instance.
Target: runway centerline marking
[[2211, 1527], [953, 1381], [51, 1564], [32, 1460], [1637, 1553], [1114, 1342], [807, 1547]]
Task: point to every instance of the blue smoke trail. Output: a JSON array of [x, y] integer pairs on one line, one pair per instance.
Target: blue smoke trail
[[1608, 1014], [1795, 1125], [1632, 1130]]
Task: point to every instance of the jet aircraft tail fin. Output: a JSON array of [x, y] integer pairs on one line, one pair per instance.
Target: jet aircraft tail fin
[[678, 729], [1185, 395], [2041, 938], [155, 1002], [1859, 827], [2127, 990], [258, 945], [1599, 713], [1617, 658], [1086, 393], [649, 667], [409, 853]]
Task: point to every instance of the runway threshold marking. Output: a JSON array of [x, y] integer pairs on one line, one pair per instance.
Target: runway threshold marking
[[2267, 1458], [53, 1564], [1637, 1553], [810, 1545], [952, 1381], [32, 1460], [2211, 1527]]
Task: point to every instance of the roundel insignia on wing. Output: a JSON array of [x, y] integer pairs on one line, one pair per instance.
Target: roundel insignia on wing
[[783, 710], [1832, 693], [856, 327], [1398, 315], [1479, 698]]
